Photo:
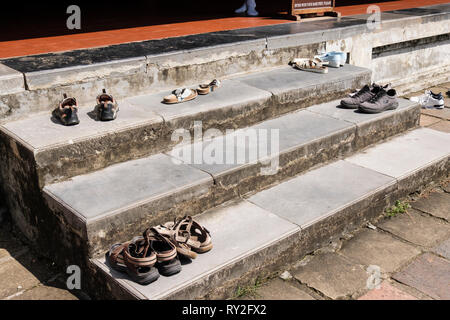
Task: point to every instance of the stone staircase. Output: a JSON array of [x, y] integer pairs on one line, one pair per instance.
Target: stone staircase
[[74, 191]]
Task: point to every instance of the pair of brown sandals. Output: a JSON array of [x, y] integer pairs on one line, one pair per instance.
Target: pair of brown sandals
[[159, 250], [67, 110], [185, 94]]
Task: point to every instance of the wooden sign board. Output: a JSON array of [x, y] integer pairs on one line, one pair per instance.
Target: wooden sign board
[[319, 7]]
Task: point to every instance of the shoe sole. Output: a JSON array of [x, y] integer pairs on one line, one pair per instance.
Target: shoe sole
[[349, 106], [389, 107]]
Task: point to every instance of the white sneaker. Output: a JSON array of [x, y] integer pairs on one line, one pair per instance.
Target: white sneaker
[[429, 100]]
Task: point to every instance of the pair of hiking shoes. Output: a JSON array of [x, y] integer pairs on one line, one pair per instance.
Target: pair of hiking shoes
[[160, 250], [372, 99], [67, 110]]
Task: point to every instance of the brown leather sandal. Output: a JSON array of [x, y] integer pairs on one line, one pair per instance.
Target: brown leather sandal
[[140, 260], [180, 95], [209, 87], [166, 253], [188, 236]]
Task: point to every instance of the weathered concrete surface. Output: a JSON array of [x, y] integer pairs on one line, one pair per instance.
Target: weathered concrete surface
[[431, 151], [146, 126], [437, 204], [254, 157], [416, 228], [11, 81], [138, 190], [233, 249], [301, 200], [332, 275], [376, 248], [386, 292], [429, 274], [373, 127]]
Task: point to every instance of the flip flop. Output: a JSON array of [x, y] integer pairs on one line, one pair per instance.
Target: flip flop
[[180, 95], [210, 87]]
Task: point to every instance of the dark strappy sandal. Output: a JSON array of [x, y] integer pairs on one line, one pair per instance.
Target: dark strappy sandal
[[66, 112], [140, 260], [166, 254], [106, 108]]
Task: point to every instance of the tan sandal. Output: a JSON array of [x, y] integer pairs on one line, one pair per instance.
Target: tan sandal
[[312, 65], [207, 88], [180, 95], [188, 236]]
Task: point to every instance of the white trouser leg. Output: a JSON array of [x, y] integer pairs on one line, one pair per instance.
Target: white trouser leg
[[242, 9], [251, 8]]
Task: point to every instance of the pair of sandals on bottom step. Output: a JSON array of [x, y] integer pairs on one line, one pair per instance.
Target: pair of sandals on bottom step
[[67, 110], [159, 249], [185, 94]]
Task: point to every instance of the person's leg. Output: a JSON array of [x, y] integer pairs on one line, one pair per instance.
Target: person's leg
[[251, 8], [242, 9]]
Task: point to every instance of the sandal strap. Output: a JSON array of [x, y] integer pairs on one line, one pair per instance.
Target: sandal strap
[[182, 94]]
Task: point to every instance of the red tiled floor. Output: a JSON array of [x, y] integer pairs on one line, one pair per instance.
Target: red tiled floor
[[103, 38]]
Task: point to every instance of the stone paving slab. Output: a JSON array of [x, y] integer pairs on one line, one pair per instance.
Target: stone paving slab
[[438, 113], [426, 121], [429, 274], [44, 292], [230, 227], [443, 249], [436, 204], [332, 275], [443, 126], [394, 159], [126, 184], [301, 200], [416, 228], [278, 289], [376, 248], [22, 274], [386, 292]]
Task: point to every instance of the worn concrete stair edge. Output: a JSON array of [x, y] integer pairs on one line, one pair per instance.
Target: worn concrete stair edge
[[155, 189], [145, 125], [303, 213]]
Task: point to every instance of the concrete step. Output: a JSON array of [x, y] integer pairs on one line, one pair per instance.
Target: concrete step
[[259, 233], [111, 204], [145, 125]]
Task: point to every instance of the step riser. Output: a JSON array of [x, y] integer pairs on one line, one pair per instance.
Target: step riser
[[101, 232], [222, 283], [60, 163]]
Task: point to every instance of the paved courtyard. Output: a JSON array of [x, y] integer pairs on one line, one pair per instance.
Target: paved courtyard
[[405, 256]]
